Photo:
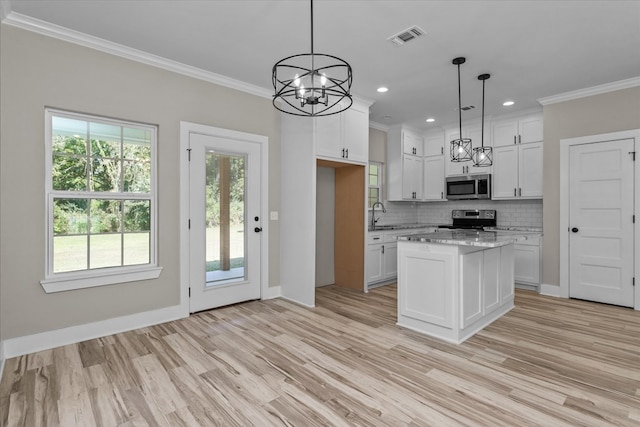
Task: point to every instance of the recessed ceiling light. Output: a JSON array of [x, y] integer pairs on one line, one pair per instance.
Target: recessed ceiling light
[[508, 103], [431, 120], [383, 89]]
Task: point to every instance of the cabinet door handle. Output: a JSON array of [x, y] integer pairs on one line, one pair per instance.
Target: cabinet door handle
[[514, 139], [382, 248], [343, 153], [514, 193], [519, 139], [442, 194], [376, 238], [441, 150], [520, 191], [346, 152]]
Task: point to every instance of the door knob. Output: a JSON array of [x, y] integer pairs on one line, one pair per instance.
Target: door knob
[[257, 229], [574, 230]]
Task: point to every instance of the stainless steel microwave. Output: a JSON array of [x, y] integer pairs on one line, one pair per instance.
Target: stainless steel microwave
[[469, 187]]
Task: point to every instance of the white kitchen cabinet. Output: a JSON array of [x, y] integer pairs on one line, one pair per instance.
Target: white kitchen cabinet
[[411, 177], [375, 263], [344, 136], [521, 130], [390, 259], [412, 143], [434, 144], [527, 263], [517, 171], [404, 170], [433, 186], [382, 253]]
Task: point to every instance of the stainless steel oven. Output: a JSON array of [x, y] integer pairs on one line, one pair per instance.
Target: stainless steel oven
[[469, 187]]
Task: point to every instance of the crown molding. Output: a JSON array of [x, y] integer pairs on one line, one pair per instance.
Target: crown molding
[[5, 9], [61, 33], [378, 126], [590, 91]]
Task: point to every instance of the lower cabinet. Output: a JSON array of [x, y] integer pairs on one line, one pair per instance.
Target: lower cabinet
[[382, 254], [527, 263], [382, 262]]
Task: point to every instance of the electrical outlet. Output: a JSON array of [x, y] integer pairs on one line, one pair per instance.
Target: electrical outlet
[[273, 216]]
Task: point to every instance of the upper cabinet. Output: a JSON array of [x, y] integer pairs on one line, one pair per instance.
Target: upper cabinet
[[517, 158], [434, 144], [412, 143], [433, 167], [344, 136], [404, 168], [517, 130]]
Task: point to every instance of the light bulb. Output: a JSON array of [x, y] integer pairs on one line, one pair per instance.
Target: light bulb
[[296, 81], [481, 156], [302, 91], [323, 80], [460, 150]]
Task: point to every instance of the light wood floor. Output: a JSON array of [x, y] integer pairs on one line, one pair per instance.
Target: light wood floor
[[549, 362]]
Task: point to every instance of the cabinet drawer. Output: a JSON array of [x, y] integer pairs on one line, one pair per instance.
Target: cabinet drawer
[[374, 238]]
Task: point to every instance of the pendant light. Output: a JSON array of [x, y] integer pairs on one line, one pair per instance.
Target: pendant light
[[460, 148], [312, 84], [483, 156]]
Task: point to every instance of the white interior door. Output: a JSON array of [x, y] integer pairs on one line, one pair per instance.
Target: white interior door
[[225, 224], [601, 200]]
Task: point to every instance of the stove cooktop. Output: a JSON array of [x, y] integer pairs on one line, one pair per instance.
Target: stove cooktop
[[472, 219]]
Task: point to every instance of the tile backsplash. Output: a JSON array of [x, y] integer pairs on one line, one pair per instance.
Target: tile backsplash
[[511, 213]]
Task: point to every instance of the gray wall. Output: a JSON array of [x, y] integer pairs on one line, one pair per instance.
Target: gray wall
[[609, 112], [39, 71]]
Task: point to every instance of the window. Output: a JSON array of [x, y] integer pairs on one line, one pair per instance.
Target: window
[[100, 201], [375, 183]]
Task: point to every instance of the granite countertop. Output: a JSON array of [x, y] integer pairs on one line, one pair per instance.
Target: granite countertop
[[384, 227], [523, 229], [489, 239]]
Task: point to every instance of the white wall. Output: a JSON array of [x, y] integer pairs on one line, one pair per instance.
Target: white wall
[[325, 225]]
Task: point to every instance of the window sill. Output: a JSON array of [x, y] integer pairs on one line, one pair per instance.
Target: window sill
[[83, 280]]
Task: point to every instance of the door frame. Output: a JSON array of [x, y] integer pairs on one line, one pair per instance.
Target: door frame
[[565, 145], [186, 128]]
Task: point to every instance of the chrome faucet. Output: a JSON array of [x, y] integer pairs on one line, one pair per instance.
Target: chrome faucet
[[373, 214]]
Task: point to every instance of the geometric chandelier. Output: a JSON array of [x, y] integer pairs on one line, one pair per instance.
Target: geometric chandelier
[[483, 156], [312, 84], [460, 148]]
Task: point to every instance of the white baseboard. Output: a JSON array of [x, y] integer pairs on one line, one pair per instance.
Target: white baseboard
[[552, 291], [45, 340], [297, 302], [273, 292]]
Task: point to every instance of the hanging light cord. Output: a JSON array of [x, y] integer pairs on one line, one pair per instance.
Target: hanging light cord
[[459, 103], [313, 66], [482, 136]]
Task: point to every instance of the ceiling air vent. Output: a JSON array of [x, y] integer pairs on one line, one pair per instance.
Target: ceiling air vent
[[407, 35], [468, 107]]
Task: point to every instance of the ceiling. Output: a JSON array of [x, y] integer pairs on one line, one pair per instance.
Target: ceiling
[[532, 49]]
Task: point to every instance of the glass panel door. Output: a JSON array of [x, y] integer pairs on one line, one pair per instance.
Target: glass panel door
[[225, 224], [225, 218]]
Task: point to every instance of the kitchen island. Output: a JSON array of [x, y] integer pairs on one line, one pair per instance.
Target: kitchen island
[[451, 284]]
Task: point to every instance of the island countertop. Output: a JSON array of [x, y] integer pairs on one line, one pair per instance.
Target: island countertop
[[488, 239]]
